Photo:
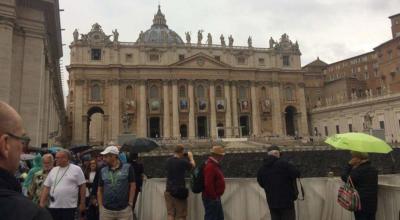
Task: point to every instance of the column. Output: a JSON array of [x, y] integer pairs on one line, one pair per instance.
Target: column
[[33, 79], [85, 129], [6, 44], [115, 110], [213, 121], [192, 107], [276, 109], [303, 126], [175, 111], [254, 110], [228, 113], [77, 136], [106, 138], [166, 118], [142, 116], [235, 110]]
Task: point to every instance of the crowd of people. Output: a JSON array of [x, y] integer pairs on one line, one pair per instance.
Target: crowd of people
[[106, 187]]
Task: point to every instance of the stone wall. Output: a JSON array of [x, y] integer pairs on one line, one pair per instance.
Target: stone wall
[[310, 163]]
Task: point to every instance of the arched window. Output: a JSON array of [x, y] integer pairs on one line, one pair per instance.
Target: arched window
[[95, 92], [242, 92], [182, 91], [218, 91], [200, 91], [153, 92], [263, 92], [289, 94], [129, 92]]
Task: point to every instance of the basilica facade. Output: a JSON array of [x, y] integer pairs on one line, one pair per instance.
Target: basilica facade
[[161, 86]]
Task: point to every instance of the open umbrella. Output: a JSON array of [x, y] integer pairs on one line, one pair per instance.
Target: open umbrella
[[27, 156], [359, 142], [139, 145], [79, 148], [54, 150], [93, 150]]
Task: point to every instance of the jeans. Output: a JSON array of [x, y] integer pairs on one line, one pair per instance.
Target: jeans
[[360, 215], [283, 214], [213, 209]]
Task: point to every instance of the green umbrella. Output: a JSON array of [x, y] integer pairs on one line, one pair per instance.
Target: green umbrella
[[359, 142]]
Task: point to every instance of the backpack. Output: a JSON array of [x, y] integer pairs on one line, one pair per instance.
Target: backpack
[[197, 179]]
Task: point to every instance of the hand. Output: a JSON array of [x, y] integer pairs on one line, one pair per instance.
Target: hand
[[190, 154], [82, 207], [94, 201]]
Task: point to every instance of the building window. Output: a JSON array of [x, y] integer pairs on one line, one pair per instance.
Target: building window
[[154, 57], [261, 61], [315, 131], [181, 57], [382, 124], [337, 129], [95, 92], [366, 75], [182, 91], [96, 54], [200, 91], [129, 92], [285, 60], [217, 58], [350, 128], [153, 92], [71, 96], [263, 92], [289, 94], [218, 91], [379, 90], [128, 57], [390, 55], [241, 60], [242, 92], [326, 131]]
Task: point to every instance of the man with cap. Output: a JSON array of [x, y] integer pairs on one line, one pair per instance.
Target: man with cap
[[214, 185], [13, 138], [277, 177], [116, 188]]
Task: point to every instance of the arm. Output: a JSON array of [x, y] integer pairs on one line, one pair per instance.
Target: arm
[[346, 172], [209, 185], [44, 196], [82, 193], [132, 186], [100, 196], [191, 160]]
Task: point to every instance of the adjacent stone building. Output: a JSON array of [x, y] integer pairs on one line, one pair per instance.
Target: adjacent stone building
[[30, 80], [360, 93], [163, 87]]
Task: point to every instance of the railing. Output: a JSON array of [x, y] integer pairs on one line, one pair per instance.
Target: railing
[[244, 199]]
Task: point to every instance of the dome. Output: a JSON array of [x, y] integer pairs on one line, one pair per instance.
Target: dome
[[159, 33]]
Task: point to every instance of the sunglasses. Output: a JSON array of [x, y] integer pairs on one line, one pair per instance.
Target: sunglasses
[[25, 140]]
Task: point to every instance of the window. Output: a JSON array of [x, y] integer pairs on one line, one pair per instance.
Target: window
[[153, 92], [242, 92], [350, 128], [261, 61], [366, 75], [382, 124], [181, 57], [379, 90], [218, 91], [128, 57], [326, 131], [71, 96], [200, 91], [217, 58], [182, 91], [154, 57], [263, 92], [289, 94], [285, 60], [96, 54], [390, 55], [337, 129], [241, 60], [95, 92], [129, 92], [375, 72]]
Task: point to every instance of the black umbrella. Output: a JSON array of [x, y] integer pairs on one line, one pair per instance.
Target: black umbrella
[[79, 148], [93, 150], [139, 145]]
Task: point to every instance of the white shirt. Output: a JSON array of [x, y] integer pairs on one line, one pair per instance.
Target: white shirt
[[64, 185]]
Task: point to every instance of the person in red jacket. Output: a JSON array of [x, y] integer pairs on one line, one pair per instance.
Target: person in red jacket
[[214, 185]]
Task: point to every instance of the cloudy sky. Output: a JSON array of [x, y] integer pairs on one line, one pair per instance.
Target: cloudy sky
[[330, 29]]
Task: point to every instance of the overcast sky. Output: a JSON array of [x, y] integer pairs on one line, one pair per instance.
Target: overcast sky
[[330, 29]]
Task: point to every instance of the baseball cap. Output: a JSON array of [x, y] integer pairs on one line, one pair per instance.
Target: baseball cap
[[110, 150]]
